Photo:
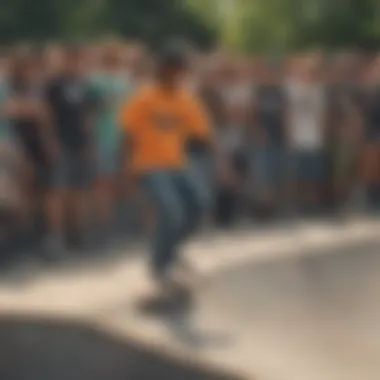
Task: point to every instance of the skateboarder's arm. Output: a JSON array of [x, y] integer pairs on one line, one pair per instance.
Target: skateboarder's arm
[[199, 126]]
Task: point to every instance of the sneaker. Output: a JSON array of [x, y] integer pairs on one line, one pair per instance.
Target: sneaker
[[166, 296]]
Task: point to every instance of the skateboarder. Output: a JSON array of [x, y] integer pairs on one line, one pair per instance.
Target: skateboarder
[[159, 121]]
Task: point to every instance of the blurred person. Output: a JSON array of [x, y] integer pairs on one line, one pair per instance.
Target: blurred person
[[344, 121], [112, 87], [371, 156], [27, 115], [268, 135], [236, 96], [72, 104], [139, 64], [352, 100], [208, 90], [52, 60], [306, 133], [127, 58], [11, 199], [334, 130], [3, 65], [92, 59], [158, 121], [193, 78], [204, 83], [10, 186], [138, 69]]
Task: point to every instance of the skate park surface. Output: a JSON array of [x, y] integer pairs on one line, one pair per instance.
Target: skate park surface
[[293, 303]]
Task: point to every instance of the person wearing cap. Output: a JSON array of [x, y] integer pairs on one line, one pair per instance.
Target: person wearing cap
[[159, 121]]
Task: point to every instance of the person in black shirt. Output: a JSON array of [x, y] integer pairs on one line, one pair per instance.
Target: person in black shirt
[[268, 136], [372, 133], [344, 101], [26, 121], [72, 106], [27, 116], [200, 155]]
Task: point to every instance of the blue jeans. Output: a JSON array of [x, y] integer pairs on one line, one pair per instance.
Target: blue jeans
[[179, 205]]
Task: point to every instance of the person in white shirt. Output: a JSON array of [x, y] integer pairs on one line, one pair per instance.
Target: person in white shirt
[[235, 91], [306, 132], [267, 132]]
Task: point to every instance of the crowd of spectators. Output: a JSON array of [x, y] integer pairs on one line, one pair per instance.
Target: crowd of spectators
[[302, 134]]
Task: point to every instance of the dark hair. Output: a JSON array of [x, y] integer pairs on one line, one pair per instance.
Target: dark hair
[[173, 55]]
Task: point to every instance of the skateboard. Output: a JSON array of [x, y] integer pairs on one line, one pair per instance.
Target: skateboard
[[180, 298], [162, 304]]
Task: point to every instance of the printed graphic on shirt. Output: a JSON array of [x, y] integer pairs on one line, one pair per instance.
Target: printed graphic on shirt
[[166, 121]]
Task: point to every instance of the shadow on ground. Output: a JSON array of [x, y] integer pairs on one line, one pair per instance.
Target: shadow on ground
[[37, 349]]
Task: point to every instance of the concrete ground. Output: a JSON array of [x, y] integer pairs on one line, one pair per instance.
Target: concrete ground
[[291, 303]]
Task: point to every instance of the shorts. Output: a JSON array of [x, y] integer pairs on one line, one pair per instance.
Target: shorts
[[307, 165], [73, 171]]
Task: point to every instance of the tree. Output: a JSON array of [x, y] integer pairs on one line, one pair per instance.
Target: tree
[[19, 20], [267, 25], [151, 20], [155, 20]]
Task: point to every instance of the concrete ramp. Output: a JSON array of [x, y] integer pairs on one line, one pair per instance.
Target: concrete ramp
[[297, 303], [314, 317], [38, 349]]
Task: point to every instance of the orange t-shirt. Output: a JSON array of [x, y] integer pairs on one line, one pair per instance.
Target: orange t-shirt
[[159, 123]]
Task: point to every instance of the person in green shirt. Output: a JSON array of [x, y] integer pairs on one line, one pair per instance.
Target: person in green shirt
[[112, 87]]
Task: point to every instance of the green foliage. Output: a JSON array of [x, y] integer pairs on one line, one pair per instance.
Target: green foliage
[[267, 25], [152, 20], [248, 25]]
